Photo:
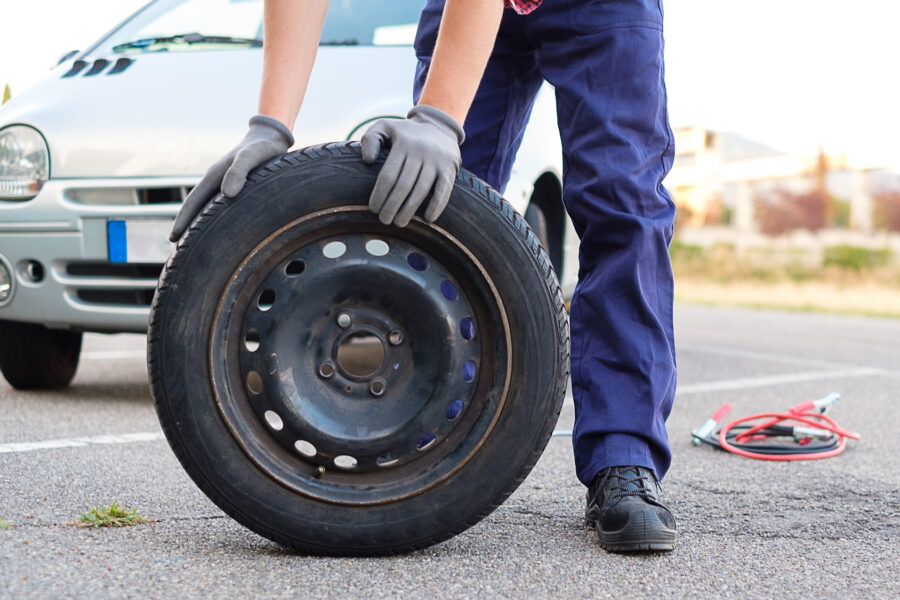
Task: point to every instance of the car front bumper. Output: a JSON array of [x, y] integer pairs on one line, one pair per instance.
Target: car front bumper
[[58, 249]]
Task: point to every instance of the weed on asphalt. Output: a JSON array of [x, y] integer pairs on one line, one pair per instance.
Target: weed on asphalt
[[110, 516]]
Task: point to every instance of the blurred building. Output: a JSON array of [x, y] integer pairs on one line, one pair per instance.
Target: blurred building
[[719, 177]]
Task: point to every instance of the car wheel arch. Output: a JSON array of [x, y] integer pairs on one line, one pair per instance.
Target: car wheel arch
[[546, 195]]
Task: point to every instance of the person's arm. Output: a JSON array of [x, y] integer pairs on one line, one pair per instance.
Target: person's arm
[[425, 157], [465, 40], [292, 31]]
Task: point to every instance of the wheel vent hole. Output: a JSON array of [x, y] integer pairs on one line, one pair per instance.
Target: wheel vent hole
[[468, 371], [345, 461], [454, 409], [255, 383], [425, 441], [361, 354], [305, 448], [266, 300], [417, 261], [449, 290], [294, 268], [251, 340], [274, 421], [386, 460], [467, 328], [334, 249], [377, 247]]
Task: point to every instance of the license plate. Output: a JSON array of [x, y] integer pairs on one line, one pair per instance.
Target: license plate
[[138, 240]]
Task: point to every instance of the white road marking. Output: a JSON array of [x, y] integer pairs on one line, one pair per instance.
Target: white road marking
[[123, 438], [768, 356], [113, 354], [755, 382]]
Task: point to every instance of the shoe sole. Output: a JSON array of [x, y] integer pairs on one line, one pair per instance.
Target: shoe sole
[[635, 536], [660, 543]]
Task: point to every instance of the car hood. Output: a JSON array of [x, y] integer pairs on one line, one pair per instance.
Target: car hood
[[174, 114]]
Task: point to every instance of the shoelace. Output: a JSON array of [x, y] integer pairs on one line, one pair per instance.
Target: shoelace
[[638, 480], [621, 489]]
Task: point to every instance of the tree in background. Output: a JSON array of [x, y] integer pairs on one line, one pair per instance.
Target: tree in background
[[887, 210], [717, 213], [781, 211]]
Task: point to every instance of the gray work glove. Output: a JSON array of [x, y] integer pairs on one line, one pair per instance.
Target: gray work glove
[[424, 158], [268, 137]]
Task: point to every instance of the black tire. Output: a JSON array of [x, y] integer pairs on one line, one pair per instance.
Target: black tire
[[210, 384], [34, 357]]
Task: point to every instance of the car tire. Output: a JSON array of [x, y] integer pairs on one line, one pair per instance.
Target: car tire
[[34, 357], [234, 406]]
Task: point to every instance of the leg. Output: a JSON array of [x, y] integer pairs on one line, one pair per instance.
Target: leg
[[496, 122], [606, 61]]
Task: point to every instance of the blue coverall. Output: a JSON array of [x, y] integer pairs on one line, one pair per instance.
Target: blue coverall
[[605, 60]]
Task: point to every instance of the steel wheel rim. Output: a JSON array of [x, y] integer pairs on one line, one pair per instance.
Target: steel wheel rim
[[305, 416]]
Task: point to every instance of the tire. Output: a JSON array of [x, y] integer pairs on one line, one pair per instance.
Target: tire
[[34, 357], [304, 445]]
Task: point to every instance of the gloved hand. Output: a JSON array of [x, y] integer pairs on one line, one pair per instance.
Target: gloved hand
[[424, 157], [268, 137]]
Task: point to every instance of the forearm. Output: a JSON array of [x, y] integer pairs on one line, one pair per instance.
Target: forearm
[[291, 38], [464, 44]]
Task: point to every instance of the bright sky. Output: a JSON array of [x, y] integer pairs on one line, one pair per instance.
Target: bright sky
[[787, 73]]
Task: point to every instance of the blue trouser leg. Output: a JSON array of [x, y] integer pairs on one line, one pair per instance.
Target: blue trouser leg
[[605, 60], [617, 148]]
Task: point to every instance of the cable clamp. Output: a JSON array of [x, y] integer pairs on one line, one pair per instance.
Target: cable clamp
[[801, 433]]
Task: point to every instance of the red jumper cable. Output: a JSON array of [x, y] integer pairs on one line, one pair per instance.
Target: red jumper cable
[[814, 435]]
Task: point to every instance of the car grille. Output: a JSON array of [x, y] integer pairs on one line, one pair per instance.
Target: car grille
[[126, 196], [112, 284]]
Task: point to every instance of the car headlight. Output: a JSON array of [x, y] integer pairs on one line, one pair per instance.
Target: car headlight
[[24, 163]]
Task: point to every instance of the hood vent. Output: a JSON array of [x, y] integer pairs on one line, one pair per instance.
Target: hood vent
[[121, 65], [97, 67], [76, 68]]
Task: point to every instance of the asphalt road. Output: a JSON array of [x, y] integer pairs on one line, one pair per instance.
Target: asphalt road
[[824, 529]]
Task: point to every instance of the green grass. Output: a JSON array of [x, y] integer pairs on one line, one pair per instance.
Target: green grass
[[797, 308], [841, 264], [4, 524], [110, 516], [857, 259]]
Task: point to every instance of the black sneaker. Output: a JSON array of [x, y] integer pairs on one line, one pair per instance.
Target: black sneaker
[[623, 505]]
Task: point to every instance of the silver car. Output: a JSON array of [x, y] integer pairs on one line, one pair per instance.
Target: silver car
[[96, 158]]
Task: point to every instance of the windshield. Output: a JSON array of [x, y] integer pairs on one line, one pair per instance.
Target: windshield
[[191, 25]]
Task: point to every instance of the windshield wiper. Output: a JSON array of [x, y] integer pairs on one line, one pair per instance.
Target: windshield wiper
[[188, 39], [347, 42]]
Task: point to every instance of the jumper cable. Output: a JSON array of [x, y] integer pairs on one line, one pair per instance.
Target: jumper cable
[[814, 434]]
